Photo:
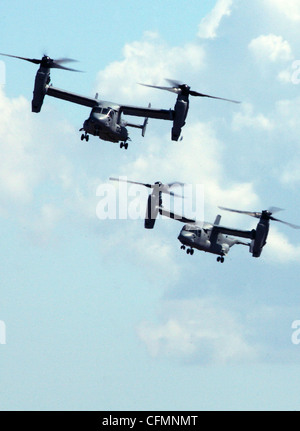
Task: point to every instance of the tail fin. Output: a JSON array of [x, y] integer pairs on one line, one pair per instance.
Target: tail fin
[[142, 126], [217, 221]]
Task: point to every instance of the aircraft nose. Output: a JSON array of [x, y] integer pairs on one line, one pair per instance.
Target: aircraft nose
[[186, 236], [101, 120]]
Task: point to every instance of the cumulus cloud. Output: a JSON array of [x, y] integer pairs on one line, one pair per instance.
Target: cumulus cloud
[[210, 23], [288, 8], [271, 47], [18, 172], [39, 183], [148, 61], [247, 118], [198, 330], [195, 160], [279, 249]]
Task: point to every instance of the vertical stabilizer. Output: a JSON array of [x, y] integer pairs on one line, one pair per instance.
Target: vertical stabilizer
[[217, 221]]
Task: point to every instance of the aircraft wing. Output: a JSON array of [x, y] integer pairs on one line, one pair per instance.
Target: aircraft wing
[[71, 97], [234, 232], [162, 114]]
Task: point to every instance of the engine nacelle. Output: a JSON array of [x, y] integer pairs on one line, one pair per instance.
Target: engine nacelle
[[180, 112], [42, 79], [153, 204], [260, 237]]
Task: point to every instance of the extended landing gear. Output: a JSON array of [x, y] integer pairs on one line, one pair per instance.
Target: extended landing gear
[[189, 250], [84, 136], [220, 259], [124, 144]]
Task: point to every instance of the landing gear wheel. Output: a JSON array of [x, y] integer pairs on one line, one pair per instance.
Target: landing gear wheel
[[124, 144], [190, 251], [182, 247], [220, 259], [84, 136]]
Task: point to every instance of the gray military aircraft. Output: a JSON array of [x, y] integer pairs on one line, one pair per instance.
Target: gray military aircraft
[[209, 237], [105, 118], [154, 199], [216, 239]]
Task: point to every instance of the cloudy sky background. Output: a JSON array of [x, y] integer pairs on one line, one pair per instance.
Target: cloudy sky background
[[103, 314]]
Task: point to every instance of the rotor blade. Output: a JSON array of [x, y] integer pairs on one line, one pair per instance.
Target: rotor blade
[[273, 210], [150, 186], [55, 65], [32, 60], [175, 84], [171, 89], [294, 226], [65, 60], [250, 213], [195, 93]]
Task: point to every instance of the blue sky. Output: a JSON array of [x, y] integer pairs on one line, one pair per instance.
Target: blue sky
[[102, 314]]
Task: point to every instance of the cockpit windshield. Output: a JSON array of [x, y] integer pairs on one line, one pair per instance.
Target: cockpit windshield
[[99, 110], [192, 229]]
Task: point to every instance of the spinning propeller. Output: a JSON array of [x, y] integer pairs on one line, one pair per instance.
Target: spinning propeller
[[266, 215], [47, 62], [185, 90], [164, 188]]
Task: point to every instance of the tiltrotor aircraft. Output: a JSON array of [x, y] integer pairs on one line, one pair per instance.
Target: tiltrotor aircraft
[[105, 117], [216, 239], [210, 237], [154, 199]]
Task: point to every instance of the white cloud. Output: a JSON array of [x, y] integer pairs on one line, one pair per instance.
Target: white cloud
[[289, 8], [279, 249], [247, 118], [291, 75], [197, 330], [209, 25], [148, 61], [195, 160], [39, 183], [271, 47], [18, 173]]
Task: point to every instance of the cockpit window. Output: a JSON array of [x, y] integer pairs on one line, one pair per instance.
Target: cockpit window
[[97, 110], [191, 229], [105, 111]]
